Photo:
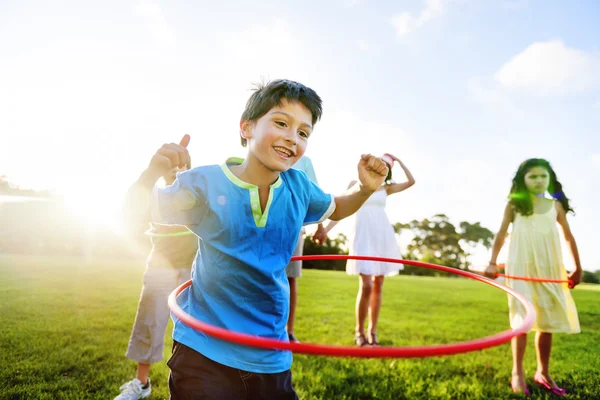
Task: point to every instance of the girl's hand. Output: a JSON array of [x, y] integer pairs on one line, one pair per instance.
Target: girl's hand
[[393, 157], [491, 271], [575, 278], [371, 172]]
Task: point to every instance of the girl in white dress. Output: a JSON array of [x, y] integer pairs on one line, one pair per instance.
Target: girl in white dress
[[373, 236]]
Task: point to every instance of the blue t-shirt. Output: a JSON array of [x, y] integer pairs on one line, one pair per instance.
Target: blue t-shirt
[[239, 279]]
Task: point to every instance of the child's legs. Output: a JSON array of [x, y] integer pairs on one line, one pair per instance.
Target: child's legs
[[362, 301], [376, 296], [194, 376], [146, 343], [543, 346], [142, 373], [519, 344]]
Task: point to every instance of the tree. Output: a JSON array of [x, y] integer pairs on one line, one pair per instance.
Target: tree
[[331, 246], [436, 240], [590, 277]]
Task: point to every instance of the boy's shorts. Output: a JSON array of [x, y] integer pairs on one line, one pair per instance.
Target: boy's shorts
[[195, 376], [146, 343], [294, 268]]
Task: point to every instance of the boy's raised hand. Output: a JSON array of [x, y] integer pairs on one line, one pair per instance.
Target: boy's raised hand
[[372, 171], [169, 156]]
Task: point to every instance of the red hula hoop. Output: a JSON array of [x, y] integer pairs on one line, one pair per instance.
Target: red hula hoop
[[532, 279], [526, 278], [362, 352]]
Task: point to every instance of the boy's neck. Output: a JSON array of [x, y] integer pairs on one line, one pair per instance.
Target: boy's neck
[[253, 172]]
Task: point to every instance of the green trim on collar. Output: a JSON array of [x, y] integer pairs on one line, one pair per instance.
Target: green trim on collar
[[234, 160], [234, 179], [260, 218]]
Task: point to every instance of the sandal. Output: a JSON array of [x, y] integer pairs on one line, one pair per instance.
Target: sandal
[[373, 340], [360, 339], [554, 390]]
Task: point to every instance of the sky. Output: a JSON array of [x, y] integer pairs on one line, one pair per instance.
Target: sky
[[462, 91]]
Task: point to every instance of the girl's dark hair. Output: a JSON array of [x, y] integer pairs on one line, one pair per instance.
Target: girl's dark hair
[[269, 95], [519, 195], [388, 179]]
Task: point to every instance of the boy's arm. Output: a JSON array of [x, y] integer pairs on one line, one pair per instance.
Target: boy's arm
[[169, 156], [371, 173]]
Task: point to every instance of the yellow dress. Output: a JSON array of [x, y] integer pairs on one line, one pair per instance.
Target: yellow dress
[[535, 251]]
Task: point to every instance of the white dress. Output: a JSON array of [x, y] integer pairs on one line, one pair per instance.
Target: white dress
[[373, 235]]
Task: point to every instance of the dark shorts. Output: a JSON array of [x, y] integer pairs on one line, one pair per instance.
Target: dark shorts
[[196, 377]]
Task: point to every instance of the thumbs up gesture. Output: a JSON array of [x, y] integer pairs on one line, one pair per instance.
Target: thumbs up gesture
[[170, 156]]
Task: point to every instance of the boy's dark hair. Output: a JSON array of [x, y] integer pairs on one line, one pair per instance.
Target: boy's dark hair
[[269, 95], [519, 195]]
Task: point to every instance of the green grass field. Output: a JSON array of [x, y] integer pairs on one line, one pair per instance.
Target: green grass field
[[65, 324]]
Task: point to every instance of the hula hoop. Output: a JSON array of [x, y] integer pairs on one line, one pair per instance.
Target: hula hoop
[[530, 278], [362, 352], [183, 233]]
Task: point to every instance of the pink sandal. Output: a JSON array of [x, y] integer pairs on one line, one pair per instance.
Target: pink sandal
[[554, 390]]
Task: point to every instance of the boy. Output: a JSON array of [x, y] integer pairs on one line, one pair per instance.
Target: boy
[[248, 216]]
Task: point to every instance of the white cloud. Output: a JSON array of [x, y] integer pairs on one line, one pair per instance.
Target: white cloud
[[156, 21], [550, 68], [363, 45], [406, 22], [491, 95]]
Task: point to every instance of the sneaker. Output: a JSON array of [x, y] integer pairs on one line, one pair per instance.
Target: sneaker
[[134, 390]]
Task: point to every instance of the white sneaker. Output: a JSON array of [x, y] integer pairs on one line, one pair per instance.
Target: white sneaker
[[134, 390]]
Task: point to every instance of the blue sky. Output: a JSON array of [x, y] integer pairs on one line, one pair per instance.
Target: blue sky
[[462, 91]]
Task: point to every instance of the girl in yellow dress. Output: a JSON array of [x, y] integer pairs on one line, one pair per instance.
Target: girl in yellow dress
[[535, 251]]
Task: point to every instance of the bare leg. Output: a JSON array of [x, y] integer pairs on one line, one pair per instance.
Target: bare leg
[[143, 370], [293, 300], [543, 346], [375, 305], [362, 301], [519, 344]]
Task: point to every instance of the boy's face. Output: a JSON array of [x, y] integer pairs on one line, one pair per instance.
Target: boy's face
[[278, 139]]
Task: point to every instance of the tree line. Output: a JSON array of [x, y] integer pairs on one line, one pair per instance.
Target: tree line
[[46, 227]]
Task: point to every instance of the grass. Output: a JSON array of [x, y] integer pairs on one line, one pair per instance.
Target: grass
[[66, 324]]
